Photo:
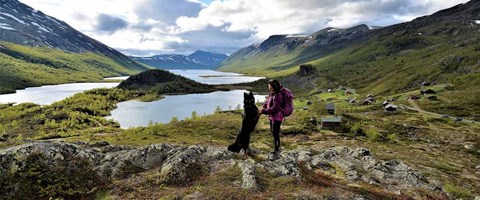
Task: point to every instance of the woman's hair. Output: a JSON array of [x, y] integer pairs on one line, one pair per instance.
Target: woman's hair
[[275, 84]]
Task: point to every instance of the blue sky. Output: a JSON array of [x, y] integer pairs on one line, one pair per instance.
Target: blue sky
[[150, 27]]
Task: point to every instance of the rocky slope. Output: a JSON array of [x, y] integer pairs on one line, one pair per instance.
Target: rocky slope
[[23, 25], [37, 49], [181, 165]]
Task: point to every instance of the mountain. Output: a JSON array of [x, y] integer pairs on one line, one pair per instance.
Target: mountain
[[280, 52], [197, 60], [33, 43], [443, 47]]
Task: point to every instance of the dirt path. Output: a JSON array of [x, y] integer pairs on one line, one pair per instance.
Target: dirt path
[[414, 104], [417, 108]]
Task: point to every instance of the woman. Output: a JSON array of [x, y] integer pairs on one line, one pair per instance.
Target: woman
[[273, 109]]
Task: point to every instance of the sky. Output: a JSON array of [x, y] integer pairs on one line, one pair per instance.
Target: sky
[[152, 27]]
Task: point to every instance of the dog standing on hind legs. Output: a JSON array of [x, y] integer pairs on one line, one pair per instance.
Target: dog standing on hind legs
[[250, 120]]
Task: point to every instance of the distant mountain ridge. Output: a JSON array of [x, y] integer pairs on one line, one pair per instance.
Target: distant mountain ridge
[[284, 51], [196, 60], [37, 49]]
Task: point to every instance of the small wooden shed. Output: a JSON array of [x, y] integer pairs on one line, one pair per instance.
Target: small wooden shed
[[331, 122], [330, 107]]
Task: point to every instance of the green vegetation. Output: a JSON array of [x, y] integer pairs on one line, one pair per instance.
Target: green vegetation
[[391, 66], [406, 135], [457, 192], [22, 66], [80, 114], [390, 61], [158, 81], [73, 178]]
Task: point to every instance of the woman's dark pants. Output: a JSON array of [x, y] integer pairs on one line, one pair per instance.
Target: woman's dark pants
[[275, 129]]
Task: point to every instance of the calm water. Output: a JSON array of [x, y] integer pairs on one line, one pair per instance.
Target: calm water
[[215, 77], [50, 93], [136, 113]]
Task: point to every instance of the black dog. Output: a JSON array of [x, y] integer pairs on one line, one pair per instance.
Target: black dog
[[250, 120]]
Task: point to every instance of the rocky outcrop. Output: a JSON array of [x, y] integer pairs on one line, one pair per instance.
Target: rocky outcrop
[[360, 165], [179, 165], [306, 70]]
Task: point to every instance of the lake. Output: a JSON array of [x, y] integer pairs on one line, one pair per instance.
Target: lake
[[135, 113], [215, 77], [48, 94]]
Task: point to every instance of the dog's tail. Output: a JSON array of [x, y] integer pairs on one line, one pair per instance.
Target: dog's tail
[[235, 147]]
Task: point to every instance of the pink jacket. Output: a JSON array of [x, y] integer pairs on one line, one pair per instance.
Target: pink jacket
[[273, 108]]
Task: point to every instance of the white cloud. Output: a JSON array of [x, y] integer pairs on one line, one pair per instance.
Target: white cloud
[[183, 26]]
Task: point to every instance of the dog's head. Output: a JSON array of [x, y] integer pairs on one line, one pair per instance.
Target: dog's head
[[248, 98]]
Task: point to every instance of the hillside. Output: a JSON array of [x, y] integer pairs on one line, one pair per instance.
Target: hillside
[[362, 57], [443, 47], [161, 82], [50, 45], [196, 60], [281, 52], [23, 66]]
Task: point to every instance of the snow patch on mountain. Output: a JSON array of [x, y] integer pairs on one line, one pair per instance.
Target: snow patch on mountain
[[56, 21], [41, 27], [6, 27], [294, 36], [331, 29], [13, 17]]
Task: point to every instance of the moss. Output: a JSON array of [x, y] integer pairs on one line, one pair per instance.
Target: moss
[[273, 186], [458, 192], [373, 135], [71, 178], [127, 169]]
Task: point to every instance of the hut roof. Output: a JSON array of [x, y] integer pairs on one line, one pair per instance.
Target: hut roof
[[332, 119], [330, 106]]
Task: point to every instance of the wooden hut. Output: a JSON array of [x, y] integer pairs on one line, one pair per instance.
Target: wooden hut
[[332, 122], [330, 107]]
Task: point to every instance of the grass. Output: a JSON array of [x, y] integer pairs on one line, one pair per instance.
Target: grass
[[384, 65], [22, 66], [406, 135], [457, 192]]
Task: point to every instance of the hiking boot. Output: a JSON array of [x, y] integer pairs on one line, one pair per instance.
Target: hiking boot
[[249, 152], [274, 155]]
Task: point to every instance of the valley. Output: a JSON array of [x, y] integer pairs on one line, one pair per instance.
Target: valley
[[387, 112]]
